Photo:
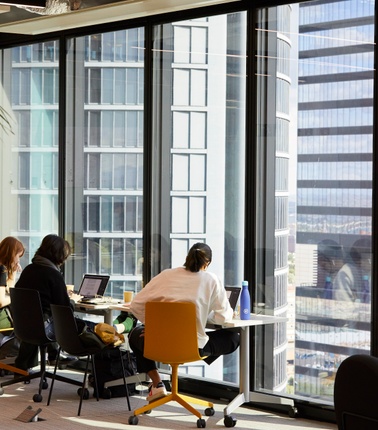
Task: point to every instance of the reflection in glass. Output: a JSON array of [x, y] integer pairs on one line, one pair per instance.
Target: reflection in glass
[[325, 248]]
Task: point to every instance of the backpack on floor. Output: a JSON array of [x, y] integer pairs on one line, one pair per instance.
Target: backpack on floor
[[109, 368]]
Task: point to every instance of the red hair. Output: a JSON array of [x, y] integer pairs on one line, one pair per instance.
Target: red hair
[[9, 248]]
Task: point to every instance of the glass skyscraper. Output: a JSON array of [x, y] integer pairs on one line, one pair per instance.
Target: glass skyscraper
[[334, 189]]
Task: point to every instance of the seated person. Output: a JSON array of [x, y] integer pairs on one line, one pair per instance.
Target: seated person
[[44, 275], [11, 250], [190, 283]]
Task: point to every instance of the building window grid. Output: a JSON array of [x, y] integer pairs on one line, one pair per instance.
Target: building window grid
[[334, 197], [335, 224]]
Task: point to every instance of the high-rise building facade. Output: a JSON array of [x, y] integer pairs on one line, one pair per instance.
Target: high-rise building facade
[[334, 189]]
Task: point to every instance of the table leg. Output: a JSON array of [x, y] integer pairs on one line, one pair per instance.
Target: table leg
[[243, 395]]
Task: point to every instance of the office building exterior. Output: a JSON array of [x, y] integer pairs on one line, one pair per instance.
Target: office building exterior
[[334, 184]]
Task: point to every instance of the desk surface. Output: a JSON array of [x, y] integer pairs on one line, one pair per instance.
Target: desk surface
[[236, 322]]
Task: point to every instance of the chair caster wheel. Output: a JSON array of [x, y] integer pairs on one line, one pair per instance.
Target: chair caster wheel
[[293, 412], [209, 412], [45, 385], [201, 423], [85, 394], [106, 393], [37, 398], [133, 420], [229, 421]]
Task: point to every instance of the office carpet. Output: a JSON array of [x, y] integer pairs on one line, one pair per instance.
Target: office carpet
[[113, 413]]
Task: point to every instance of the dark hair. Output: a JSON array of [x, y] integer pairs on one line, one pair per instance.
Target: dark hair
[[360, 247], [9, 248], [198, 256], [55, 249]]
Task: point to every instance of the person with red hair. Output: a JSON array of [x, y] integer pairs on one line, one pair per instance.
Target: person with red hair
[[11, 250]]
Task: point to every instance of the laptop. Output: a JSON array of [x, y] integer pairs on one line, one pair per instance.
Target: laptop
[[93, 286], [233, 294]]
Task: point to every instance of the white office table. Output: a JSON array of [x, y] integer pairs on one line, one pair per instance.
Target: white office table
[[98, 309], [244, 349]]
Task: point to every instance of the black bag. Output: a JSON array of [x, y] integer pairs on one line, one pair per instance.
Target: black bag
[[109, 368], [87, 336]]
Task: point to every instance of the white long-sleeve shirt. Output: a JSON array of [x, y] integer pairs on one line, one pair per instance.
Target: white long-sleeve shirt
[[202, 288]]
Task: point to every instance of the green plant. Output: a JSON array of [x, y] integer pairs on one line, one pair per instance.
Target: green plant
[[5, 121]]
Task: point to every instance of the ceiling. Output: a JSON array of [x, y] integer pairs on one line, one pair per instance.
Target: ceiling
[[92, 12]]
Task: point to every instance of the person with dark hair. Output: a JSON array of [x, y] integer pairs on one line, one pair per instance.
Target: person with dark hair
[[352, 282], [330, 260], [44, 275], [11, 250], [190, 283]]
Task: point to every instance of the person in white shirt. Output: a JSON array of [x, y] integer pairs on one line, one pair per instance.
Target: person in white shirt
[[190, 283]]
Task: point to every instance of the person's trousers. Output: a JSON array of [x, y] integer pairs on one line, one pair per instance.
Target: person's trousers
[[221, 342], [28, 354]]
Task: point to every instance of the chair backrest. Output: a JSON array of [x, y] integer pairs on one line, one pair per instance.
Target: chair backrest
[[356, 394], [66, 331], [28, 316], [171, 332]]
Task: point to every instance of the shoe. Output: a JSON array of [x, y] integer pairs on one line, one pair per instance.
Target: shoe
[[18, 375], [156, 392]]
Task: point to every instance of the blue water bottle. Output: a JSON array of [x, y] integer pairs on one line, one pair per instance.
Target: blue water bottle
[[328, 288], [365, 290], [245, 302]]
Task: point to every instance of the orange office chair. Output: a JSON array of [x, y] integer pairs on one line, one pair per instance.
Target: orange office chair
[[171, 338]]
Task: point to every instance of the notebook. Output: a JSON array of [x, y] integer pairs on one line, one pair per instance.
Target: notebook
[[93, 286], [233, 294]]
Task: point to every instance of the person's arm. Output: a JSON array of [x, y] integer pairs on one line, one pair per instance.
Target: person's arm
[[4, 296], [59, 294]]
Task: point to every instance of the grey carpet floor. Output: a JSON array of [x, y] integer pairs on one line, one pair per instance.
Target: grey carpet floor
[[113, 413]]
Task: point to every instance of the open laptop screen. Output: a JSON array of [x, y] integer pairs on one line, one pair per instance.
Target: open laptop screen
[[93, 285], [233, 294]]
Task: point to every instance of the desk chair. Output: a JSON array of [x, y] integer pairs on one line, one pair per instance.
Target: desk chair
[[67, 336], [355, 393], [8, 353], [171, 338], [29, 327]]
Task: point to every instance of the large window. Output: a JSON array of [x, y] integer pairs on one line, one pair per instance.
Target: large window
[[199, 88], [104, 178], [321, 86], [29, 144], [271, 165]]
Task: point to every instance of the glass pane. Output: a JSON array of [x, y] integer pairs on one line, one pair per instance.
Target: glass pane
[[198, 194], [104, 187], [29, 144], [317, 81]]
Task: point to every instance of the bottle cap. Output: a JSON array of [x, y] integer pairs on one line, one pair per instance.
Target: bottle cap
[[245, 283], [328, 279]]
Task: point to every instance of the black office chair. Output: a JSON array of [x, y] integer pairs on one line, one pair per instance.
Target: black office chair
[[67, 336], [356, 393], [29, 327]]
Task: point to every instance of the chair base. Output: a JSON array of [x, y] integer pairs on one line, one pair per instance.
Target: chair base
[[176, 397], [182, 399]]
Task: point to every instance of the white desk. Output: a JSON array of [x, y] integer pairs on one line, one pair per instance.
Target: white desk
[[103, 310], [244, 348]]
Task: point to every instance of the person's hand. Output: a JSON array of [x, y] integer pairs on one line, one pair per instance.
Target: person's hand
[[75, 297]]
